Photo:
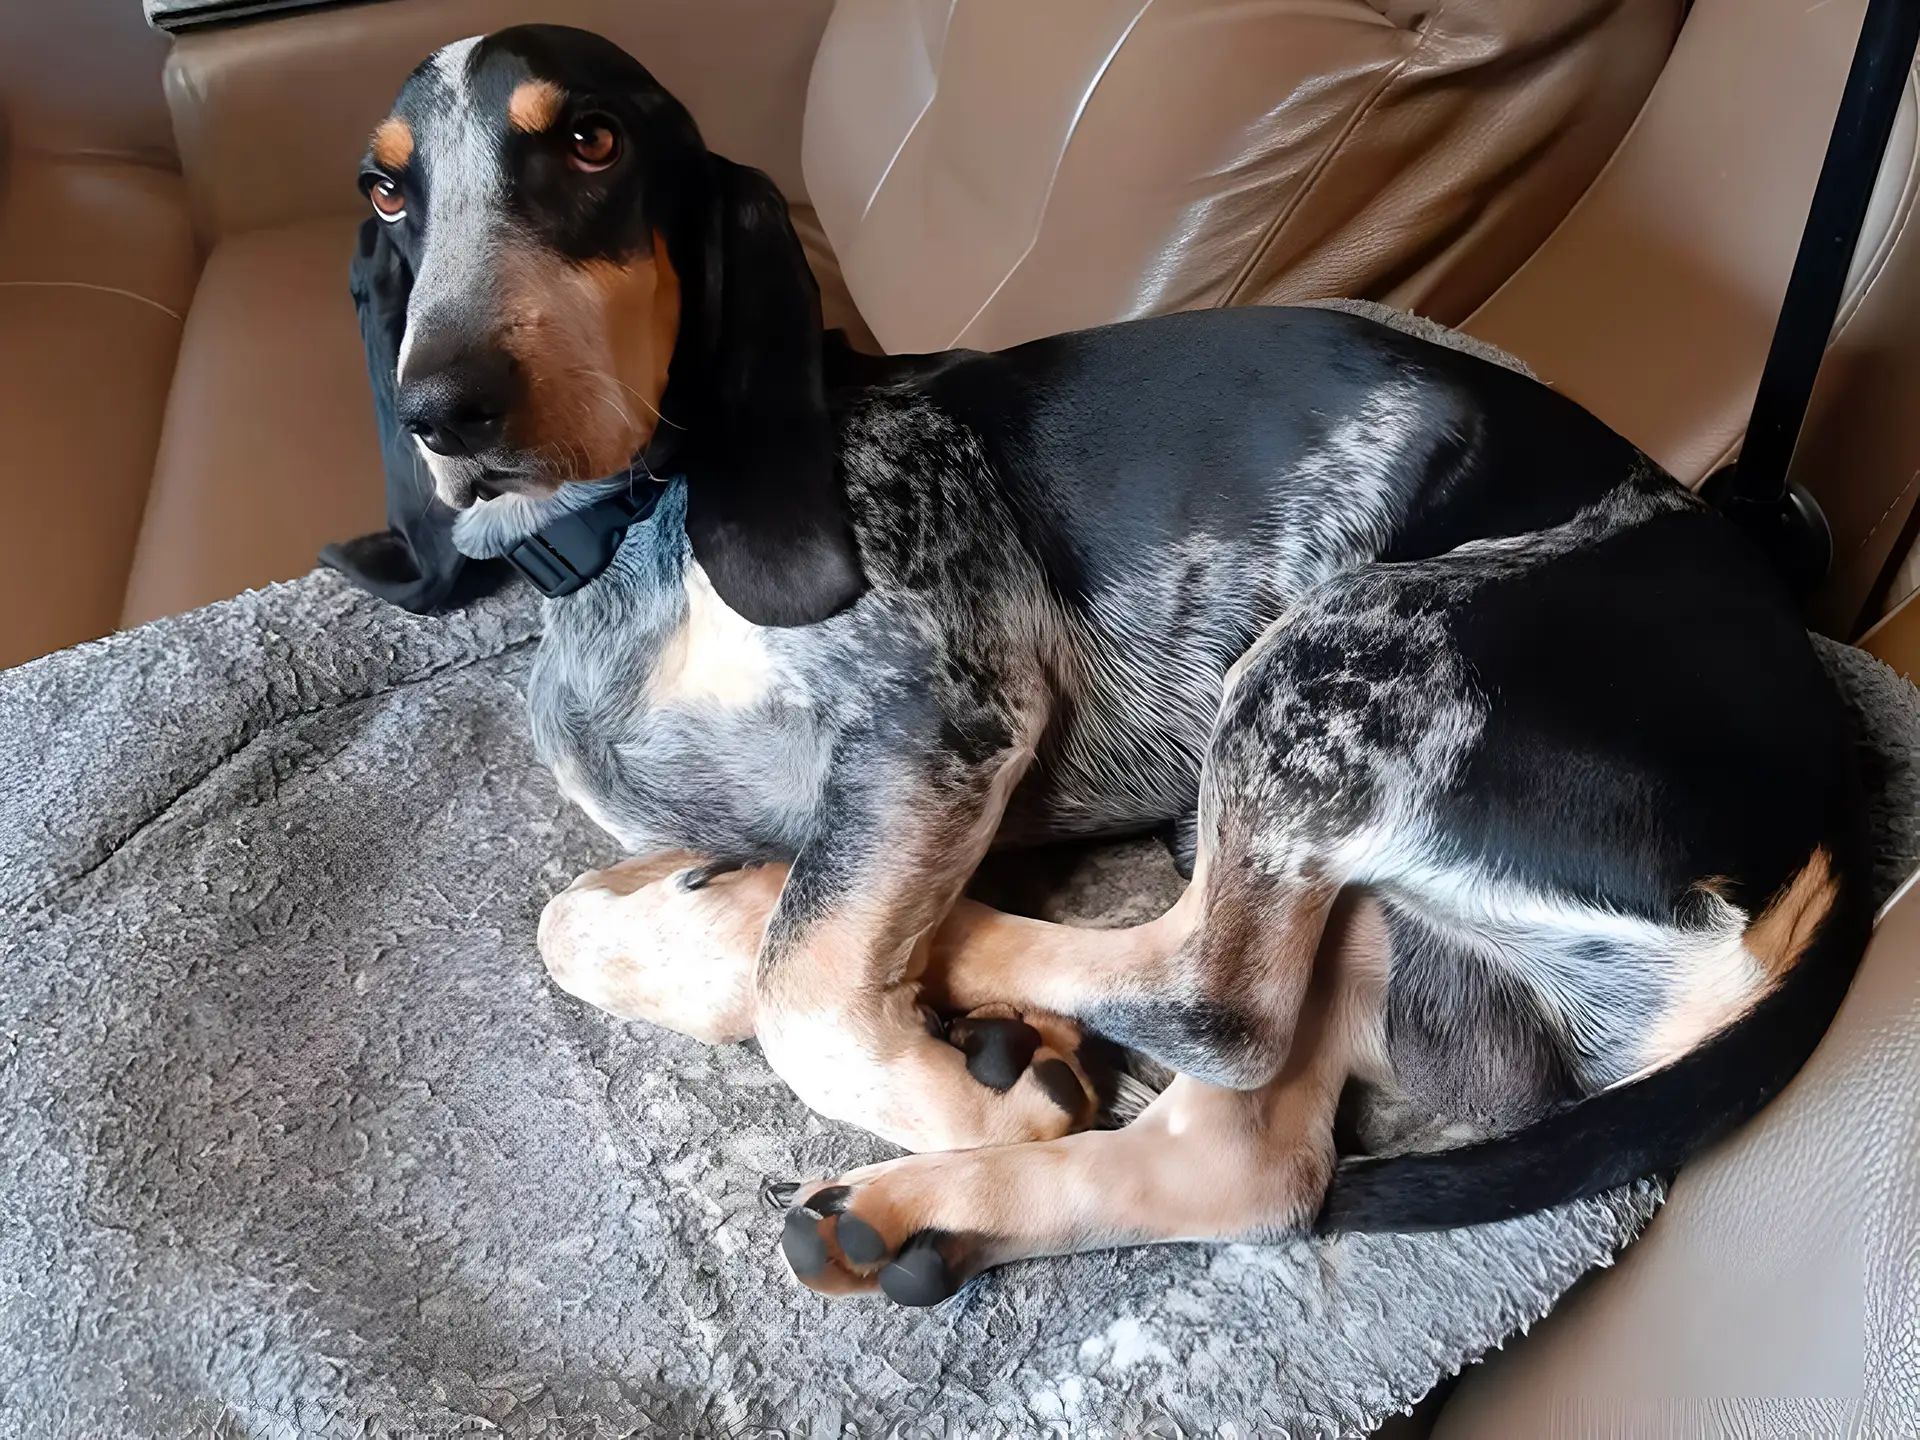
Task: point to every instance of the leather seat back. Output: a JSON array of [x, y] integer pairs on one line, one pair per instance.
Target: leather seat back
[[97, 265], [272, 118], [999, 170], [1654, 303]]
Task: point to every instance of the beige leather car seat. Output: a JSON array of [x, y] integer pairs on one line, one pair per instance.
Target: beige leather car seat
[[995, 171], [1467, 132], [986, 177], [1654, 301], [1776, 1293], [97, 266]]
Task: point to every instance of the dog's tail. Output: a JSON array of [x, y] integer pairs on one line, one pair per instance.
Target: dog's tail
[[1648, 1126]]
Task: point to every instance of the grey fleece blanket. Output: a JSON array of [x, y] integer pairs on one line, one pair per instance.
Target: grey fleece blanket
[[298, 1140]]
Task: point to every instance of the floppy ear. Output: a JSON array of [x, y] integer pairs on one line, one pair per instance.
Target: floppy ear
[[411, 563], [766, 512]]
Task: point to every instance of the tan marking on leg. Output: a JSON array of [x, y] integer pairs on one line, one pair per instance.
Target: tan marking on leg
[[1357, 941], [869, 1061], [1254, 953], [633, 940], [534, 106], [840, 1016], [1780, 934], [1201, 1163], [392, 144], [981, 955], [1243, 944]]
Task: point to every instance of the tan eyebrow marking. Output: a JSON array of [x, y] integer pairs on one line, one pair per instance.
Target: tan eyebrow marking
[[393, 143], [534, 105]]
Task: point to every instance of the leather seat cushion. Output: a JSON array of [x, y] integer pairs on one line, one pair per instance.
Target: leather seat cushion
[[97, 264], [269, 448]]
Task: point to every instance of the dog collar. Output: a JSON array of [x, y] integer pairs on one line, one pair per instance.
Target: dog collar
[[574, 550]]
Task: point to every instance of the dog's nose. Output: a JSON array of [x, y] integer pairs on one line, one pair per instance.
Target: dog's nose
[[460, 408]]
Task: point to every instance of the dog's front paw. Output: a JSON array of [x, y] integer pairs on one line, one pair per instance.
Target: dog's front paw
[[915, 1230], [665, 942]]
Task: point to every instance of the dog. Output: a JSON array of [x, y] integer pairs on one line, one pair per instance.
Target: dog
[[1520, 811]]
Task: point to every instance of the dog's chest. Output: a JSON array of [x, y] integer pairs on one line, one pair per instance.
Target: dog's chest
[[713, 660], [675, 723]]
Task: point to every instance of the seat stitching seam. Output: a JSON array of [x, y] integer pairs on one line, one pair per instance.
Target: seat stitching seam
[[933, 94], [1892, 505], [89, 285], [1053, 179]]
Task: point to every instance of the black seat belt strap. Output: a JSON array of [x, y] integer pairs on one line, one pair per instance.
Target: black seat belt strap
[[1754, 491]]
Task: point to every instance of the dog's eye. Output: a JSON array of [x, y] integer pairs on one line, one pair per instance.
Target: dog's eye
[[388, 203], [596, 144]]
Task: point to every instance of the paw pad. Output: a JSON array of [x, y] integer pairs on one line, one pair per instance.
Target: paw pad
[[859, 1241], [802, 1243], [998, 1050], [1063, 1087], [919, 1276]]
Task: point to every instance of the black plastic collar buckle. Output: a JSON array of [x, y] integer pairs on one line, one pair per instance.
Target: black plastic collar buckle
[[566, 554]]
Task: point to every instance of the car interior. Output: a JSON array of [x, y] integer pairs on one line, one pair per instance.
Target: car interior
[[1613, 191]]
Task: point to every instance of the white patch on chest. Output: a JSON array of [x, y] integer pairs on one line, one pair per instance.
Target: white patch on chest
[[573, 786], [716, 657]]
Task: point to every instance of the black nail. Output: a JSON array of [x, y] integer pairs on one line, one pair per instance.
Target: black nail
[[830, 1201], [700, 876], [778, 1194]]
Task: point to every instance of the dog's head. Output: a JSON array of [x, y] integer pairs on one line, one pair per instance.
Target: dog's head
[[593, 291]]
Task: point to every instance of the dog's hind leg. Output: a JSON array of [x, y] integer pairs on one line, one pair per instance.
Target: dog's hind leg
[[1211, 988], [1201, 1163]]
